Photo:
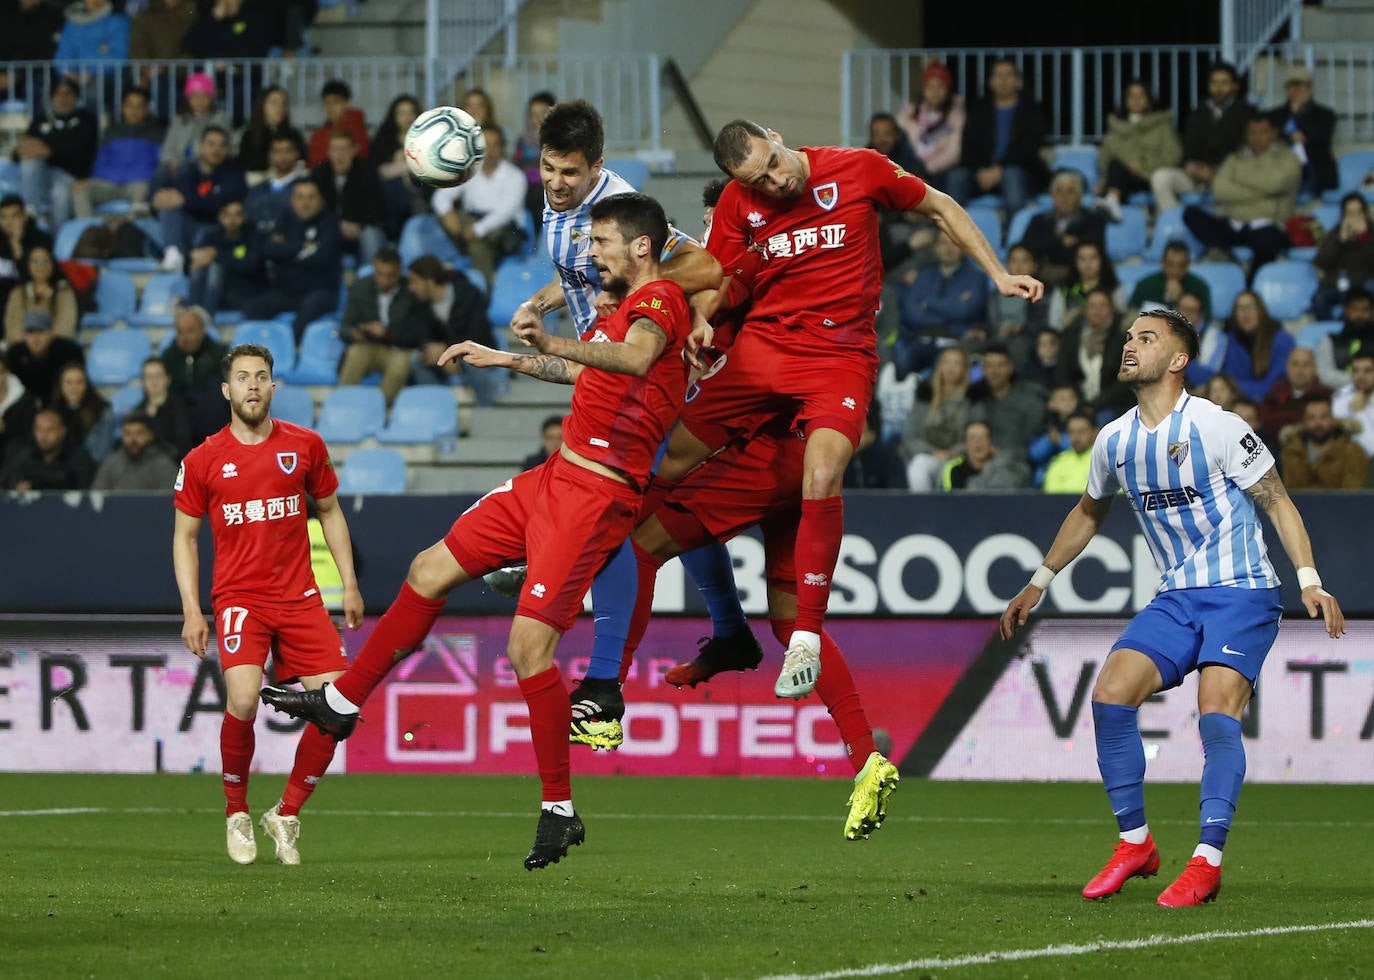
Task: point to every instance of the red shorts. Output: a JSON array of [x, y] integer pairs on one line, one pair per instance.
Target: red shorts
[[562, 520], [299, 634], [763, 377]]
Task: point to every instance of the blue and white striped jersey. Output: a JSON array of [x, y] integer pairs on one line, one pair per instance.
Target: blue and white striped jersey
[[1187, 479], [566, 234]]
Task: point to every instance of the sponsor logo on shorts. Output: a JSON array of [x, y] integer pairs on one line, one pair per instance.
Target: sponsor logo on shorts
[[815, 578], [229, 471], [537, 590], [1225, 648]]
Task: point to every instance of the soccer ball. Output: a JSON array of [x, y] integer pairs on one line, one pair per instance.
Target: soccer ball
[[443, 145]]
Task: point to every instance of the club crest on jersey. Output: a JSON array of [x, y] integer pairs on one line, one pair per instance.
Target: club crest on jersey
[[287, 462], [1178, 452], [827, 195], [231, 643]]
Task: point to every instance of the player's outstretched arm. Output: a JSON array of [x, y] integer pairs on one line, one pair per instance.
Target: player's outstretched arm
[[643, 344], [545, 367], [1272, 496], [340, 543], [195, 632], [1074, 534], [693, 268], [955, 222]]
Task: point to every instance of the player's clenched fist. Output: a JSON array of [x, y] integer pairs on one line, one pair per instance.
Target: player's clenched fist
[[1025, 287], [533, 334]]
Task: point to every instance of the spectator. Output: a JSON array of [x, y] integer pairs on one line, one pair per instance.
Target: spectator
[[1345, 258], [550, 441], [1166, 287], [193, 365], [127, 158], [46, 291], [228, 267], [1255, 190], [526, 155], [1053, 235], [477, 104], [88, 416], [193, 201], [1335, 352], [885, 136], [1247, 410], [352, 191], [269, 201], [140, 463], [877, 463], [1062, 404], [1092, 269], [1042, 364], [226, 30], [401, 195], [935, 429], [1221, 390], [158, 32], [484, 214], [166, 410], [19, 234], [183, 135], [1285, 403], [28, 32], [1000, 149], [948, 301], [338, 114], [1013, 408], [305, 253], [285, 25], [269, 121], [95, 36], [57, 150], [710, 197], [1353, 404], [459, 313], [984, 464], [50, 461], [1212, 337], [17, 407], [1319, 454], [1068, 471], [384, 325], [1252, 348], [1011, 319], [1307, 127], [1140, 140], [1090, 355], [934, 125], [1212, 132]]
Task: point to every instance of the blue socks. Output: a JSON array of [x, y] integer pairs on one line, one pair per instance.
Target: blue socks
[[713, 573], [1223, 771], [613, 603], [1121, 760]]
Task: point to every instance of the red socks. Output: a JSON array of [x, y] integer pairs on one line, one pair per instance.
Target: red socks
[[817, 552], [550, 718], [839, 695], [314, 752], [644, 603], [402, 630], [236, 755]]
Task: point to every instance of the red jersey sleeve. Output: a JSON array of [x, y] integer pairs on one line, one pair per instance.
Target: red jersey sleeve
[[321, 480], [727, 240], [889, 184], [189, 496], [663, 303]]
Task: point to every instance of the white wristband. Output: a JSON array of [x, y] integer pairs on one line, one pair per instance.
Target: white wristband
[[1307, 576], [1044, 576]]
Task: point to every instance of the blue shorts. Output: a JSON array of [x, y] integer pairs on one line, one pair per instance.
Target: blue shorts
[[1183, 630]]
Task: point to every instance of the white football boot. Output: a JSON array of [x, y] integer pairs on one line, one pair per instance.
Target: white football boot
[[284, 831], [243, 847]]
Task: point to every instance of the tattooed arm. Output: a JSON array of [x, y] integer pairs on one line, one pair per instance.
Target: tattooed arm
[[643, 344], [545, 367], [1271, 495]]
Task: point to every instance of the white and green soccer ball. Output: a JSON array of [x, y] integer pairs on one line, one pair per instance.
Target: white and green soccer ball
[[443, 146]]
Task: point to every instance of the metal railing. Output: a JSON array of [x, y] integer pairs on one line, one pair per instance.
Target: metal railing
[[457, 31], [1247, 26]]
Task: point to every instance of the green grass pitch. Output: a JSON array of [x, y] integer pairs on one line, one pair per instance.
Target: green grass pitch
[[421, 876]]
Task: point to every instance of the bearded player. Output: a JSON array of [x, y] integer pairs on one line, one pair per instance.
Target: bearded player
[[252, 478], [566, 517]]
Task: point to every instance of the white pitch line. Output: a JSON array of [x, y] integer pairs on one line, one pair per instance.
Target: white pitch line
[[1076, 949]]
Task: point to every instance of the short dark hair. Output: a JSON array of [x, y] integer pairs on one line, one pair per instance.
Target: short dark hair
[[137, 417], [551, 421], [339, 133], [1005, 59], [136, 90], [244, 350], [1353, 196], [1367, 355], [1353, 293], [1180, 326], [1178, 245], [336, 86], [544, 96], [493, 128], [732, 143], [1087, 415], [388, 255], [288, 137], [710, 194], [305, 180], [152, 359], [636, 215], [882, 117], [1244, 400], [429, 267], [574, 127], [12, 201], [213, 128], [998, 349], [1225, 66]]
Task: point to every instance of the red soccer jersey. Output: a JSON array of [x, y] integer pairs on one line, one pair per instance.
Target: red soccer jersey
[[822, 270], [255, 496], [620, 420]]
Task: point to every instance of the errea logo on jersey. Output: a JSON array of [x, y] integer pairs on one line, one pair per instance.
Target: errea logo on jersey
[[599, 337], [229, 471], [537, 590], [850, 404], [755, 219]]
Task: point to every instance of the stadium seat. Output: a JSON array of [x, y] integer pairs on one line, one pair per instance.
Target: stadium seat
[[276, 337], [119, 207], [1311, 335], [292, 403], [515, 281], [1168, 226], [116, 297], [1225, 280], [321, 350], [67, 235], [156, 308], [373, 471], [1126, 238], [476, 278], [422, 235], [151, 228], [116, 357], [228, 318], [1350, 169], [126, 399], [351, 414], [1020, 221], [1327, 215], [1286, 288], [422, 413], [1080, 158], [989, 222], [1130, 273], [634, 171]]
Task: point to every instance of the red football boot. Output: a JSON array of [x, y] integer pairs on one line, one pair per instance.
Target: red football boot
[[1127, 861], [1199, 883]]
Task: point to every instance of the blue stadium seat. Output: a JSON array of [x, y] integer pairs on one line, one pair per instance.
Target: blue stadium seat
[[1168, 226], [1351, 168], [476, 278], [292, 403], [373, 471], [276, 337], [1311, 335], [67, 235], [119, 207], [351, 414], [1327, 215], [1020, 221], [515, 281], [989, 222], [634, 171], [1225, 280], [151, 228], [228, 318], [422, 413], [422, 235], [160, 294], [1130, 273], [1286, 288], [1126, 238], [116, 357], [126, 399], [321, 350], [116, 297], [1080, 158]]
